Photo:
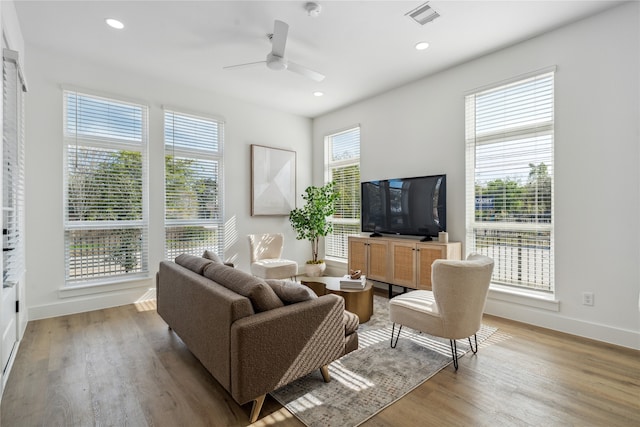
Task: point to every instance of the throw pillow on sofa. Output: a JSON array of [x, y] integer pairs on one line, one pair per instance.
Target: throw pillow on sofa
[[212, 256], [291, 292], [192, 262], [262, 297]]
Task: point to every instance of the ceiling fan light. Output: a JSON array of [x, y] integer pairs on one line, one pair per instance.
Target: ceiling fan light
[[276, 63]]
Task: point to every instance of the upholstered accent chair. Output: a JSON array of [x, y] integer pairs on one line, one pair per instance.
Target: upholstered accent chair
[[453, 309], [266, 257]]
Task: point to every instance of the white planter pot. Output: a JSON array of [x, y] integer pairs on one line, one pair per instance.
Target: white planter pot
[[314, 270]]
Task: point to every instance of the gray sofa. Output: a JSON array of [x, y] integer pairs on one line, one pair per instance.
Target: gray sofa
[[251, 340]]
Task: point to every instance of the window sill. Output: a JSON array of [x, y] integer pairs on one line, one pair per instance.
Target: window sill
[[335, 261], [524, 297], [104, 286]]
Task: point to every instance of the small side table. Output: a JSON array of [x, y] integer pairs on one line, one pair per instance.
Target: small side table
[[358, 301]]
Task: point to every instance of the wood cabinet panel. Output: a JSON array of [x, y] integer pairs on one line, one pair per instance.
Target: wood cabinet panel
[[426, 256], [378, 262], [358, 254], [370, 256], [401, 262]]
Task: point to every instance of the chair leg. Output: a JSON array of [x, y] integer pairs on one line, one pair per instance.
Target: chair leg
[[394, 344], [325, 373], [454, 353], [475, 337], [256, 407]]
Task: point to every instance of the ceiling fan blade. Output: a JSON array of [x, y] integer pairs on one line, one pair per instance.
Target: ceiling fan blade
[[313, 75], [247, 65], [279, 39]]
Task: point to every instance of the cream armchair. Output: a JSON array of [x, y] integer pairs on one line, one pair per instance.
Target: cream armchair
[[266, 257], [453, 309]]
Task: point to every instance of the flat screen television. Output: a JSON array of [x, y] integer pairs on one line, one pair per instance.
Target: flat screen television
[[405, 206]]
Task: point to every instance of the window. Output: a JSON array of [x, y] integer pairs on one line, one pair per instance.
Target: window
[[509, 139], [12, 169], [105, 174], [193, 191], [343, 167]]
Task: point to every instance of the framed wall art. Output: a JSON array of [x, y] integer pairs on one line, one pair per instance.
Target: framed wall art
[[273, 180]]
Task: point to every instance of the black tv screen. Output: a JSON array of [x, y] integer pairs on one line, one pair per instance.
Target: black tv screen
[[406, 206]]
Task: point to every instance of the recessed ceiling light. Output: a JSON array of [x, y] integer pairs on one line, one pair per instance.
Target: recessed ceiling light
[[318, 93], [422, 45], [114, 23]]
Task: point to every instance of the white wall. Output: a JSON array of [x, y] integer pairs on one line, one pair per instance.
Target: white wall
[[418, 129], [245, 124]]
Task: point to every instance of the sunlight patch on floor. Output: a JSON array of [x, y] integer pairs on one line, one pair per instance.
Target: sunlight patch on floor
[[305, 402], [147, 302], [273, 418], [369, 338], [495, 338], [348, 378]]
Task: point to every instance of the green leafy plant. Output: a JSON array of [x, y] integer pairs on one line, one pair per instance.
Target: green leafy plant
[[310, 221]]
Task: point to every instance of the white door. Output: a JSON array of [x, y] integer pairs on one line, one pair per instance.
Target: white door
[[8, 323]]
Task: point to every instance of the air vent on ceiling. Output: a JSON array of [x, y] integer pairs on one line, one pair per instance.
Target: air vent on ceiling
[[423, 14]]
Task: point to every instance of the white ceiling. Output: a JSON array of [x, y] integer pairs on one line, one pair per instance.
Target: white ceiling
[[363, 47]]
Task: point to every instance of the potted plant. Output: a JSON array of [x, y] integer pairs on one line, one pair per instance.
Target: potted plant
[[310, 221]]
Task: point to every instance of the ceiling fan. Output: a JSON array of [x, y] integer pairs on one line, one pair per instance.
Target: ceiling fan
[[276, 59]]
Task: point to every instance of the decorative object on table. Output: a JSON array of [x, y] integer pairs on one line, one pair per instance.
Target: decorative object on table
[[273, 180], [346, 282], [310, 222], [443, 237], [355, 274], [376, 375]]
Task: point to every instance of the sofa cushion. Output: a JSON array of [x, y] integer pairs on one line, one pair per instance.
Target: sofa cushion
[[192, 262], [262, 297], [212, 256], [274, 268], [351, 322], [291, 292]]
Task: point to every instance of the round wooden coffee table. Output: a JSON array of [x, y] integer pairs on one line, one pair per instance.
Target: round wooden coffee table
[[358, 301]]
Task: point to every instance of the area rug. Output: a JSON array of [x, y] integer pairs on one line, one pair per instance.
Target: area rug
[[367, 380]]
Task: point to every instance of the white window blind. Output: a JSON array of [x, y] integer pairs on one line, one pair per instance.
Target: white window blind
[[509, 139], [106, 213], [13, 169], [193, 190], [343, 168]]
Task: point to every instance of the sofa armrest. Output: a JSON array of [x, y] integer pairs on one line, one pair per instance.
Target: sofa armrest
[[273, 348]]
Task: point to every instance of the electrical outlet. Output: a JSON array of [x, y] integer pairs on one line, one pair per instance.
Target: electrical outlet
[[587, 298]]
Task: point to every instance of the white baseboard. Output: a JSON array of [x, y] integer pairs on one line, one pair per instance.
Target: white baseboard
[[551, 320], [67, 306]]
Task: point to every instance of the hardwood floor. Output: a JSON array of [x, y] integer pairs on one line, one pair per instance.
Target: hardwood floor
[[122, 366]]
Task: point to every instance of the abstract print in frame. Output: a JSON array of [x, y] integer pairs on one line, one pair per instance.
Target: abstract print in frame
[[273, 180]]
